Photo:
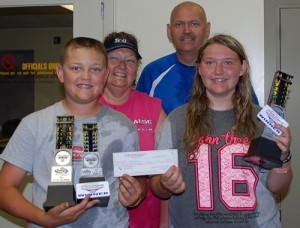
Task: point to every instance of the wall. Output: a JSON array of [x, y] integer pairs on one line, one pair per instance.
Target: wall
[[88, 18]]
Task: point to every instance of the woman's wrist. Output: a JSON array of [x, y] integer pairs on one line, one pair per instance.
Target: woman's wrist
[[137, 202], [165, 192]]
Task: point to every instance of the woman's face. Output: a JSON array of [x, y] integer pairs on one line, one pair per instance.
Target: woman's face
[[122, 65], [220, 69]]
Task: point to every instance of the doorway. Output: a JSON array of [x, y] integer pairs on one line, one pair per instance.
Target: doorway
[[30, 44], [282, 49]]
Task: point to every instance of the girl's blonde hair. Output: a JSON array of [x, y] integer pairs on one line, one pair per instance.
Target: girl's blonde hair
[[197, 121]]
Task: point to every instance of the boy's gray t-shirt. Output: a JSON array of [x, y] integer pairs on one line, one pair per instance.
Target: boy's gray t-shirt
[[222, 190], [33, 144]]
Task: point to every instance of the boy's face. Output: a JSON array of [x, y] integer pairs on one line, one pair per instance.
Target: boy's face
[[83, 74]]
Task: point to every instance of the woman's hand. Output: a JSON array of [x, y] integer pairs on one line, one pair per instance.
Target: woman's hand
[[132, 190]]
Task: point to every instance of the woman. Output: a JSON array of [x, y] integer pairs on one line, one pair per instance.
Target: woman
[[145, 112], [213, 185]]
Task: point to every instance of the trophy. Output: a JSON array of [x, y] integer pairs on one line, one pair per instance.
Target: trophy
[[61, 188], [263, 151], [92, 181]]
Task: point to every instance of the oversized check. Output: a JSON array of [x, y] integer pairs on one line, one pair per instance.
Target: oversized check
[[140, 163]]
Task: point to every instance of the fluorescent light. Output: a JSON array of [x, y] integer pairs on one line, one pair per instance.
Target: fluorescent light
[[69, 7]]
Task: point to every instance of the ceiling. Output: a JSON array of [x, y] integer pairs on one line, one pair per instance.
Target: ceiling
[[35, 17]]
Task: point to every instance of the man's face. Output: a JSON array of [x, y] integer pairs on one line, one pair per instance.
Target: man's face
[[188, 28]]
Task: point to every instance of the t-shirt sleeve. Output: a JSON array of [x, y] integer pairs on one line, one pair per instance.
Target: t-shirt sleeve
[[20, 148], [144, 82], [163, 139]]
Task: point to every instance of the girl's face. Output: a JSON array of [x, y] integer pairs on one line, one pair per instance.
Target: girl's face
[[83, 74], [220, 69]]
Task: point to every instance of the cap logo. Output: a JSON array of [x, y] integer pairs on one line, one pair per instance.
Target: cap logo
[[122, 40]]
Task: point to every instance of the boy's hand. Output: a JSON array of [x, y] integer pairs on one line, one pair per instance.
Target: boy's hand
[[63, 214]]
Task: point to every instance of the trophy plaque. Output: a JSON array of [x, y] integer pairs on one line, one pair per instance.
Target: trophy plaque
[[61, 188], [263, 151], [92, 181]]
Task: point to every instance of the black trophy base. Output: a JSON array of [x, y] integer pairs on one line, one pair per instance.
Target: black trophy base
[[264, 153], [58, 194], [103, 199], [86, 179]]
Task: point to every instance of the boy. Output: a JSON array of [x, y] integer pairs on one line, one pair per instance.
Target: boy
[[83, 71]]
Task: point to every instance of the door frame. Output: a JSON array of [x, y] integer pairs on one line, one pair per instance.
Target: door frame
[[272, 38]]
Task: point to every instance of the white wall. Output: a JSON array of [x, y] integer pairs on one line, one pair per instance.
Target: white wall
[[88, 19], [147, 20]]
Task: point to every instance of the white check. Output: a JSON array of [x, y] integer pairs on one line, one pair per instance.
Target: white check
[[140, 163]]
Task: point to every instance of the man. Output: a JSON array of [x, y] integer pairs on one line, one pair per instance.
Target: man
[[170, 78]]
